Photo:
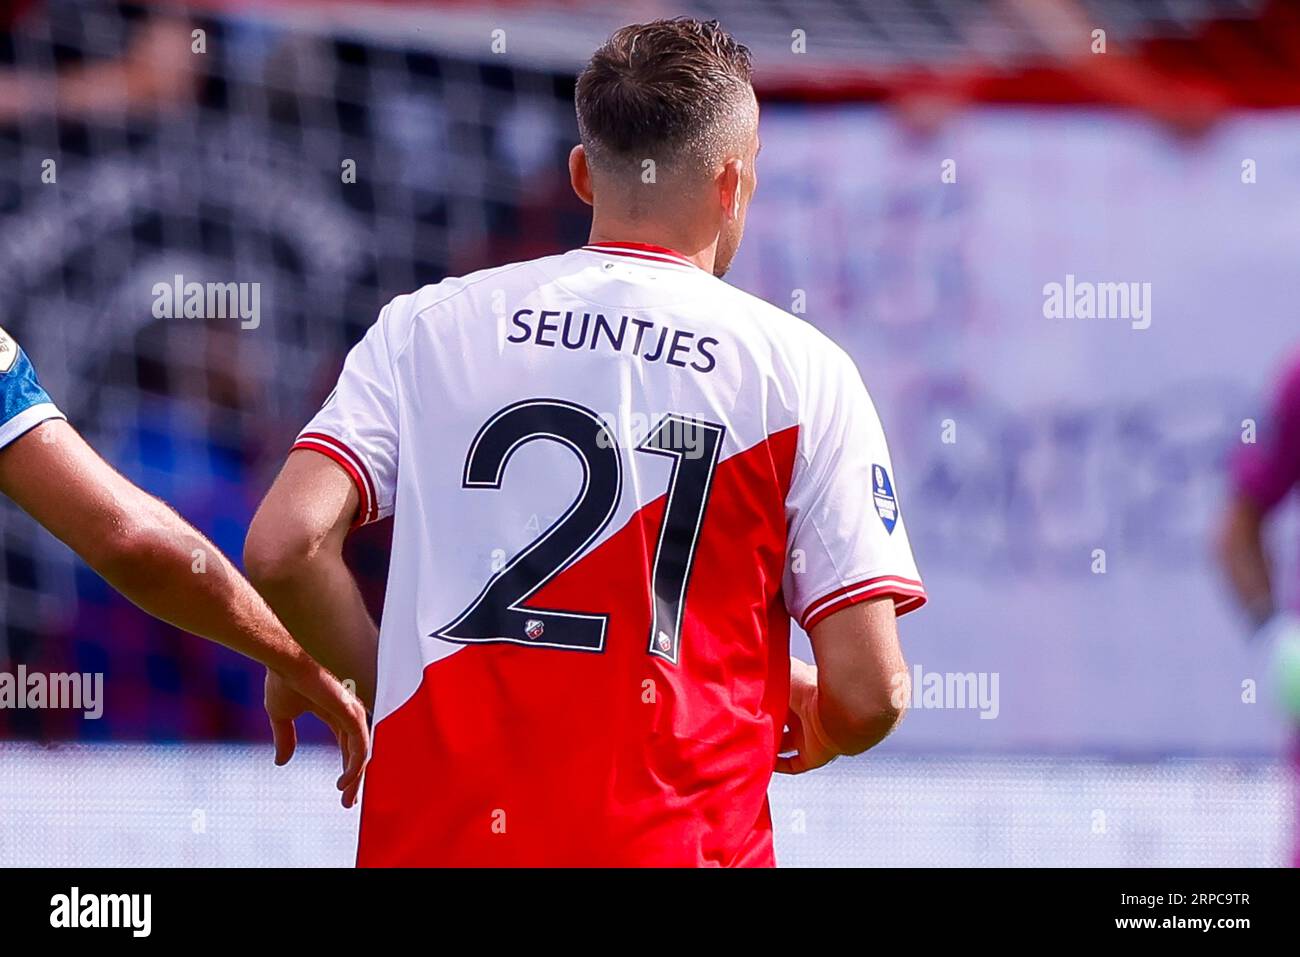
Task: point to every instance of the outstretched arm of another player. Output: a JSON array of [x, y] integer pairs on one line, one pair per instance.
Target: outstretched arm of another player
[[855, 695], [294, 555], [159, 561]]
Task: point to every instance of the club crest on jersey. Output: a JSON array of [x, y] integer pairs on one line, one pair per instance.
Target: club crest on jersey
[[534, 628], [882, 492], [8, 352]]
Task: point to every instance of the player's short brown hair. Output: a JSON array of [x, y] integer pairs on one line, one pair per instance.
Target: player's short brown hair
[[666, 90]]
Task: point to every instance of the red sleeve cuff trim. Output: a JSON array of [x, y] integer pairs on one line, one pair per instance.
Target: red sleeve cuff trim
[[352, 464], [908, 595]]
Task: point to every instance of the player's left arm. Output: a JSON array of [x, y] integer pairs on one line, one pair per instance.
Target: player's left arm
[[854, 577], [854, 696]]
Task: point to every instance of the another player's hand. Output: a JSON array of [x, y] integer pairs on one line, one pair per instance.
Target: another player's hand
[[805, 740], [317, 691]]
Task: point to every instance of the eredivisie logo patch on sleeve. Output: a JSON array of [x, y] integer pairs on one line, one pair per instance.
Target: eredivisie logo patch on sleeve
[[882, 492]]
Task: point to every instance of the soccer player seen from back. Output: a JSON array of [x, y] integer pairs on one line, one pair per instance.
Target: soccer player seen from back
[[613, 480]]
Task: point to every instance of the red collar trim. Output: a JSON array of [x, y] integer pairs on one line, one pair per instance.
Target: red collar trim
[[647, 251]]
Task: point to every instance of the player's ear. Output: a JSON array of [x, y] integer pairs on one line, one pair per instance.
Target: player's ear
[[580, 174], [729, 187]]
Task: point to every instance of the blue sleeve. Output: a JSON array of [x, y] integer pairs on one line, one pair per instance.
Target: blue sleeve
[[23, 403]]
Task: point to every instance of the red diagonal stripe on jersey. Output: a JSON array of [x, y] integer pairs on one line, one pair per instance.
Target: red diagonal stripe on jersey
[[509, 755]]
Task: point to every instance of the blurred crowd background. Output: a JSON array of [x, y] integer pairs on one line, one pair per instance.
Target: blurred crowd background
[[928, 166]]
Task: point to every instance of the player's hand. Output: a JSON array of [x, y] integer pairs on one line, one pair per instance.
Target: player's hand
[[805, 740], [316, 690]]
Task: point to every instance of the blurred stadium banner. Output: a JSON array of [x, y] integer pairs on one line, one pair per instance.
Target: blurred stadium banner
[[222, 805]]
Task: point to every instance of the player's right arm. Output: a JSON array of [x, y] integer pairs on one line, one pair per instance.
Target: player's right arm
[[341, 474], [294, 556]]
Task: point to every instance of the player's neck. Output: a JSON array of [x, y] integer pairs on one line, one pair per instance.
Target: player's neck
[[651, 234]]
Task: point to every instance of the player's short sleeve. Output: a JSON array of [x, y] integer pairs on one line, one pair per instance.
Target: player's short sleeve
[[357, 427], [847, 540], [1265, 471], [23, 403]]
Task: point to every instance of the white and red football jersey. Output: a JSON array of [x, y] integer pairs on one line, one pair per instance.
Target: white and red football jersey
[[613, 480]]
